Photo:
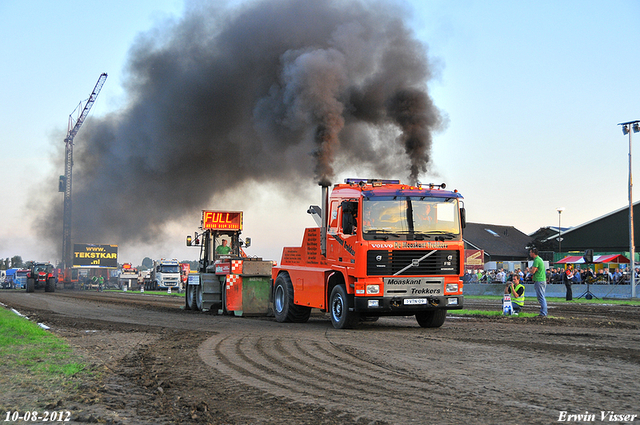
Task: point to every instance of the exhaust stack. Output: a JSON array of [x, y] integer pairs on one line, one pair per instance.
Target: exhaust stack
[[320, 214], [324, 215]]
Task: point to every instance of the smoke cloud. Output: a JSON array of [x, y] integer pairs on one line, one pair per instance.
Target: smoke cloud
[[280, 90]]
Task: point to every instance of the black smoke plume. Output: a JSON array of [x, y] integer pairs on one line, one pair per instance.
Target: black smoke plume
[[277, 90]]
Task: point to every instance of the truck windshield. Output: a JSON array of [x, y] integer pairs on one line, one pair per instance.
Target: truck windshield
[[418, 216], [170, 269]]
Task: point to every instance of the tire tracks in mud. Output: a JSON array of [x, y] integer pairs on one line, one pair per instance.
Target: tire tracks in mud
[[321, 372]]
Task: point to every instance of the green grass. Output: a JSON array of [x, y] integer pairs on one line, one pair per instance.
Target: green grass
[[559, 299], [132, 291], [28, 348], [486, 313]]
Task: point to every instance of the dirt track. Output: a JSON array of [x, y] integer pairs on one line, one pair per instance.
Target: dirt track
[[171, 366]]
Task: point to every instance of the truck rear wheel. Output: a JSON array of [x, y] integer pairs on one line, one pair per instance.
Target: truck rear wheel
[[31, 284], [189, 297], [283, 307], [341, 317], [50, 286], [431, 319]]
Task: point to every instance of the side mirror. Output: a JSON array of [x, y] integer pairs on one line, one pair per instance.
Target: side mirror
[[188, 240], [247, 242], [463, 217]]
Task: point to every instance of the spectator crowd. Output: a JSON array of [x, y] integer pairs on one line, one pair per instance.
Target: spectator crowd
[[557, 275]]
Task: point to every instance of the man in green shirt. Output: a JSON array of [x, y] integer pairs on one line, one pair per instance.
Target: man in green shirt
[[539, 277], [223, 249]]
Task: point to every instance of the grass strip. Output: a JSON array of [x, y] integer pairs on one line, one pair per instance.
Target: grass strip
[[562, 300], [29, 347], [34, 361], [486, 313], [131, 291]]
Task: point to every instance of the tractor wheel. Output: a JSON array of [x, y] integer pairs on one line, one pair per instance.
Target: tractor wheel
[[283, 307], [341, 317], [50, 286], [198, 297], [431, 319], [189, 297], [31, 284]]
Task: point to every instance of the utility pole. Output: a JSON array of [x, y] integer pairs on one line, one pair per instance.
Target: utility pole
[[626, 129]]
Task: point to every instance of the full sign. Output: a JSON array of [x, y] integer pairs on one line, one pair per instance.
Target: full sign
[[221, 220]]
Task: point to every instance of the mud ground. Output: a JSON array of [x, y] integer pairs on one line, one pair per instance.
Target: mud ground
[[163, 365]]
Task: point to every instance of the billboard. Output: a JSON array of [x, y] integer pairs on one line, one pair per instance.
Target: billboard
[[221, 220], [91, 255], [474, 259]]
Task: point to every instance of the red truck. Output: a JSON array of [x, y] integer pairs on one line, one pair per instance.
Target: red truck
[[381, 248]]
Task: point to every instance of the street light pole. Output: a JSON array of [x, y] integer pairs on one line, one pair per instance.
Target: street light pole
[[559, 230], [626, 129]]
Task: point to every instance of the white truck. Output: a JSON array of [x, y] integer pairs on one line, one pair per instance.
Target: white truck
[[165, 274]]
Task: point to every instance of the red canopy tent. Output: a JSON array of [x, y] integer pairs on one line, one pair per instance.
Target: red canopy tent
[[600, 259]]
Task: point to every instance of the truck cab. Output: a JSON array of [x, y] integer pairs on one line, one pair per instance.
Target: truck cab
[[165, 274], [382, 248]]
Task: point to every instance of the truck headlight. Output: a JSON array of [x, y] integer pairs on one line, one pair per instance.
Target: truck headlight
[[373, 303], [373, 289], [452, 287], [452, 301]]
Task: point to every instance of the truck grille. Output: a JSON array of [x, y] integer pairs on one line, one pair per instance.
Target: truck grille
[[388, 263]]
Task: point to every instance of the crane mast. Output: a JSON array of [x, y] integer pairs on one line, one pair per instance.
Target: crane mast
[[65, 184]]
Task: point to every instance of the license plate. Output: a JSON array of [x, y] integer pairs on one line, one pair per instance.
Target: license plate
[[415, 301]]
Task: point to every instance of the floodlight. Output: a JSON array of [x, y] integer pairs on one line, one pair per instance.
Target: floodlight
[[636, 127], [625, 130]]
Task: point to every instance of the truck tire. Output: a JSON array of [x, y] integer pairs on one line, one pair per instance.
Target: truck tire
[[189, 297], [432, 318], [50, 286], [31, 284], [341, 317], [283, 307]]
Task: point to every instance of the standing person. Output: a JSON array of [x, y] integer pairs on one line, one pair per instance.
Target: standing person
[[568, 280], [539, 277]]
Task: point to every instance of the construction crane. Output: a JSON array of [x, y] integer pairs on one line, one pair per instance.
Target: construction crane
[[65, 181]]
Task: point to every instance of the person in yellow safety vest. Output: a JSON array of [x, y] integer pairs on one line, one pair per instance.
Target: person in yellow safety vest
[[516, 289]]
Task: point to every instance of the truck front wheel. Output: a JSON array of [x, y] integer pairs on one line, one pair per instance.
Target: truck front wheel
[[431, 319], [341, 317], [283, 307]]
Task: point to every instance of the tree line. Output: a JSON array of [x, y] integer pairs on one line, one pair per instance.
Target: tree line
[[16, 262]]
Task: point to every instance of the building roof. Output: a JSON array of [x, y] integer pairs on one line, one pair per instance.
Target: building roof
[[608, 233], [498, 242]]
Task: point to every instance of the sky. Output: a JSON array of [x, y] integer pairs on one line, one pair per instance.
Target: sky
[[529, 93]]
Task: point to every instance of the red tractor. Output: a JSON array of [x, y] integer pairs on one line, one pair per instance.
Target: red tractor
[[41, 276]]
